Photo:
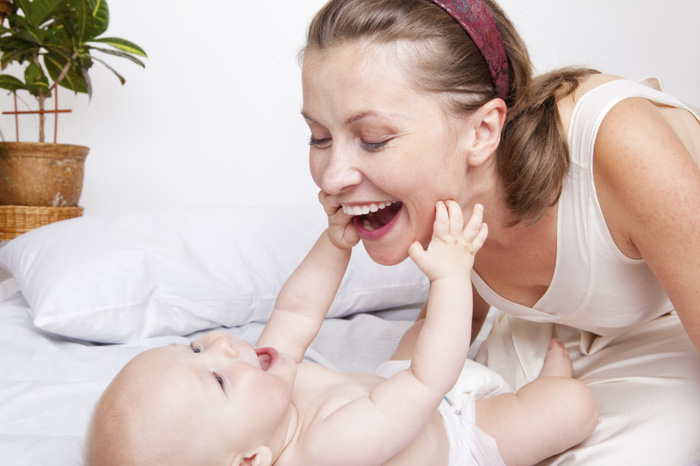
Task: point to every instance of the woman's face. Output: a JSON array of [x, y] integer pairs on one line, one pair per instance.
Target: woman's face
[[386, 151]]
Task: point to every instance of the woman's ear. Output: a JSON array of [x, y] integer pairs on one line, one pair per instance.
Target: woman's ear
[[486, 125], [260, 456]]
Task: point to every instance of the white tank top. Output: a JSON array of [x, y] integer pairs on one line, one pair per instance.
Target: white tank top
[[595, 287]]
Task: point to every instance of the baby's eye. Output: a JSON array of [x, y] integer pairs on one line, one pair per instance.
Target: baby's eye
[[219, 379], [194, 348]]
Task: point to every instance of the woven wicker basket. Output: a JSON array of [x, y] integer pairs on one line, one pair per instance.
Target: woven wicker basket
[[17, 219]]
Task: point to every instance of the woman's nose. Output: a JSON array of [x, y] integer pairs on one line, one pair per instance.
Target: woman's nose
[[338, 172]]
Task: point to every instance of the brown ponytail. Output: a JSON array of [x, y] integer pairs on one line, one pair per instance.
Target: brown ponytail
[[533, 157]]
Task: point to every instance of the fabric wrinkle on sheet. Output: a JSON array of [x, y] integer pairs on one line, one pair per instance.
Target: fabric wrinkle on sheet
[[626, 342], [469, 445]]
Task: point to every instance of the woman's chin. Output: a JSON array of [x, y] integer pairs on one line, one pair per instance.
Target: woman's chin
[[389, 244], [383, 255]]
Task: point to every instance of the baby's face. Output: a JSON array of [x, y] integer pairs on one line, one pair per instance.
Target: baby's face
[[219, 393]]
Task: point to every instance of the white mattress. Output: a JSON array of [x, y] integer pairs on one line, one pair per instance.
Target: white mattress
[[49, 384]]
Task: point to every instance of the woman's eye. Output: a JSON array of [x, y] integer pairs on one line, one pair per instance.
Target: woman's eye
[[220, 380], [374, 146], [321, 143]]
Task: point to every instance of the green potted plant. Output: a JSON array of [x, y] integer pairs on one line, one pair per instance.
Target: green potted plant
[[51, 44]]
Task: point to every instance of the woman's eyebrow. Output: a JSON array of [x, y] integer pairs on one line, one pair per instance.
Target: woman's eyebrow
[[307, 117], [351, 119], [362, 115]]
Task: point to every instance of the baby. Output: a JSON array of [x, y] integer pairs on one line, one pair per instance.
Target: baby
[[222, 401]]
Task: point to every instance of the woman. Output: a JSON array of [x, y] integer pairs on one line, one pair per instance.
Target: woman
[[412, 101]]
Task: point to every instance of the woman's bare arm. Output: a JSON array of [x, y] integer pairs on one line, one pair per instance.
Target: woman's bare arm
[[649, 189]]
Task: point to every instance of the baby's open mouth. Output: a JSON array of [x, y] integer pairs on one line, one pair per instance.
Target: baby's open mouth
[[266, 357], [374, 216]]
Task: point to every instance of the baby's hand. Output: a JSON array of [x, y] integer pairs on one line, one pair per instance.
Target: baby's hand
[[452, 248], [341, 229]]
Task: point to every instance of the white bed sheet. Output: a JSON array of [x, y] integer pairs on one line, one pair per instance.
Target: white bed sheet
[[50, 384]]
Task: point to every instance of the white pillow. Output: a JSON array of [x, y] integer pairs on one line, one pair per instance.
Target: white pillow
[[115, 278]]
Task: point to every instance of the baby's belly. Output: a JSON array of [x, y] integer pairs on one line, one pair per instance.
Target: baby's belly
[[321, 390], [429, 447]]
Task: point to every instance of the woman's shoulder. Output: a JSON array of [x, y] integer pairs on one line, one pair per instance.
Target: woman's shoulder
[[639, 149], [567, 102]]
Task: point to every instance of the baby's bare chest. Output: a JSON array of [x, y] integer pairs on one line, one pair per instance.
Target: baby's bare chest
[[321, 391]]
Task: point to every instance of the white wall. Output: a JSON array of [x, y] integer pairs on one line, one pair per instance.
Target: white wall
[[214, 118]]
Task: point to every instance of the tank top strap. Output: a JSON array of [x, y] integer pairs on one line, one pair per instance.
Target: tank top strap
[[595, 104]]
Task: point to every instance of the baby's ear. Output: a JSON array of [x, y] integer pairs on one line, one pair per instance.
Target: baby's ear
[[260, 456]]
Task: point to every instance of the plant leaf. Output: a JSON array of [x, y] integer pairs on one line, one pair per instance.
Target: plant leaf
[[119, 53], [10, 83], [40, 10], [84, 21], [123, 45], [16, 55], [33, 73], [88, 82], [74, 80], [33, 35], [100, 15], [26, 7], [119, 76], [41, 84]]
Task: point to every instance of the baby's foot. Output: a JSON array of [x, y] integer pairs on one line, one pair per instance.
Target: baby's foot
[[557, 363]]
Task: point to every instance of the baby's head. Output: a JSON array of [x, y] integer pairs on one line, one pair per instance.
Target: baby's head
[[215, 401]]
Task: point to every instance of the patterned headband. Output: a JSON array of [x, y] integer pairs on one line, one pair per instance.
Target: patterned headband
[[476, 19]]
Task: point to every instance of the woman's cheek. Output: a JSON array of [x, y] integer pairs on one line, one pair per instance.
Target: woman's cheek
[[315, 166]]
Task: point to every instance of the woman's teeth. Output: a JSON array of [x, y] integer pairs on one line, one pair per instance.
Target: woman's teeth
[[365, 209], [375, 215]]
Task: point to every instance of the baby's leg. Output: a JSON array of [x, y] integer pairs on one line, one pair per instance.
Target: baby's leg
[[547, 416]]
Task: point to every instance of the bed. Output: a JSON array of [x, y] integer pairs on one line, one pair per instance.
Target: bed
[[82, 297]]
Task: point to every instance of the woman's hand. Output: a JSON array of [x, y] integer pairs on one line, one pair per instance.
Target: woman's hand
[[341, 229]]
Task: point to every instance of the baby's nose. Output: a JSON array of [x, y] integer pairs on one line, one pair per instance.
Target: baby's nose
[[225, 346]]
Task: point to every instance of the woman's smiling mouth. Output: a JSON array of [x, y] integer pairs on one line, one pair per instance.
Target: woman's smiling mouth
[[375, 219], [375, 215]]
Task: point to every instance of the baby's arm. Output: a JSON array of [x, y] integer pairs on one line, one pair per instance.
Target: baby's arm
[[448, 261], [307, 294], [375, 428]]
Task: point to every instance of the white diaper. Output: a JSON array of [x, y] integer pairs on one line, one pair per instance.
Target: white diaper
[[469, 445]]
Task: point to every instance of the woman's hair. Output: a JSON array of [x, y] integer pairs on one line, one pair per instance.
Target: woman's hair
[[533, 156]]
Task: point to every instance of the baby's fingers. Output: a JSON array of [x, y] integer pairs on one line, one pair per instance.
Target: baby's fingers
[[476, 231], [441, 227], [480, 237], [417, 254], [329, 203], [456, 221]]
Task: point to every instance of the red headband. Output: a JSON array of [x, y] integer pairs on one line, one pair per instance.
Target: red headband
[[476, 19]]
